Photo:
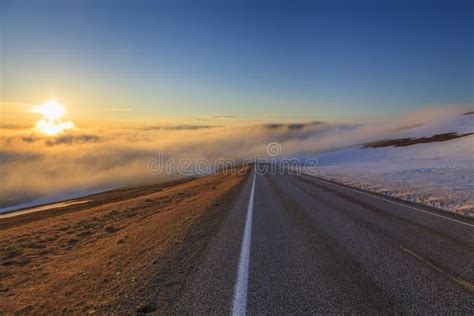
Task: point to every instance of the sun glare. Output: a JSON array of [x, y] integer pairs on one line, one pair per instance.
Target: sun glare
[[51, 110], [51, 123]]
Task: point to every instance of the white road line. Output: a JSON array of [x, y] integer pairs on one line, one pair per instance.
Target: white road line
[[239, 305], [381, 198]]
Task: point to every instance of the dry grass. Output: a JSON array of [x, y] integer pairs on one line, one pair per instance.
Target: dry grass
[[132, 252]]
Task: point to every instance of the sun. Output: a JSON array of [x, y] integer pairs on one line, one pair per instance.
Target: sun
[[51, 123], [51, 110]]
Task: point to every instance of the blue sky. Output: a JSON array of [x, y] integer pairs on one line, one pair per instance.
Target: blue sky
[[292, 60]]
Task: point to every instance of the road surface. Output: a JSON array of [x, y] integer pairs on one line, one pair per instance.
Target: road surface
[[296, 244]]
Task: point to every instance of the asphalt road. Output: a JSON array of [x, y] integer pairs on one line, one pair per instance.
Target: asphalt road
[[309, 246]]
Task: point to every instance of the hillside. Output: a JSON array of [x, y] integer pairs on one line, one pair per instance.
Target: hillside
[[431, 164], [125, 251]]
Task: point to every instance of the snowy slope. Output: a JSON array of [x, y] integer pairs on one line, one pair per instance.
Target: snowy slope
[[439, 174]]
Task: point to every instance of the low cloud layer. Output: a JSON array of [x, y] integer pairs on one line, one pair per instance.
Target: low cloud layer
[[36, 165]]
